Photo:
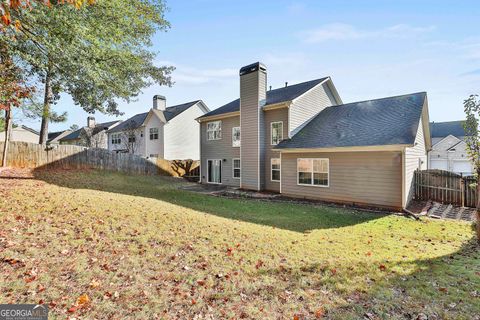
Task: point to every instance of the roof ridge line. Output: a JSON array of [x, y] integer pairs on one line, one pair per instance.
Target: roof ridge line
[[390, 97]]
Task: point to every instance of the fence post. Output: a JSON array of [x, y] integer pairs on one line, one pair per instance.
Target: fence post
[[462, 188]]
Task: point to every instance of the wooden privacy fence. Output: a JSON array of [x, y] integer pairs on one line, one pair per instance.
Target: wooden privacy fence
[[445, 187], [30, 155]]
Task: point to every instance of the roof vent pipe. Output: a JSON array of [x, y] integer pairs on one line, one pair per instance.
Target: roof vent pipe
[[270, 88], [286, 84]]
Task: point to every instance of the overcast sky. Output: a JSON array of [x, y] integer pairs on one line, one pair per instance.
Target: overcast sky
[[371, 49]]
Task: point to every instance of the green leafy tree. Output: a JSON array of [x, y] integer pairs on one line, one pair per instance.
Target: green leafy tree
[[34, 110], [472, 139], [98, 54], [13, 91]]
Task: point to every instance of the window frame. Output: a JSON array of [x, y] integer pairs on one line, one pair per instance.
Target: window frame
[[154, 134], [312, 173], [239, 168], [116, 139], [217, 136], [271, 132], [279, 169], [233, 136]]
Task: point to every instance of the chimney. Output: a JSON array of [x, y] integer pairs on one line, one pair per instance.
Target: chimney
[[286, 84], [159, 102], [253, 95], [91, 122]]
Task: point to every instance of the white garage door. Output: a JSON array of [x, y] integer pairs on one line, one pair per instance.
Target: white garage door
[[462, 166], [438, 164]]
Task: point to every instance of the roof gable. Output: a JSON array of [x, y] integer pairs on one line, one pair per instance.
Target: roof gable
[[275, 96], [140, 119], [446, 143], [386, 121], [29, 130]]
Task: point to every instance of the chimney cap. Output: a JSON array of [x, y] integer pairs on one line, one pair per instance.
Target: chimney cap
[[252, 68], [159, 96]]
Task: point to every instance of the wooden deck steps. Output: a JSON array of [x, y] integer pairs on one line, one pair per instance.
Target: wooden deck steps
[[442, 211]]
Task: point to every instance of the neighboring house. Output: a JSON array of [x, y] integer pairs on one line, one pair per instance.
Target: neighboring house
[[54, 137], [301, 141], [94, 135], [170, 133], [23, 134], [449, 150]]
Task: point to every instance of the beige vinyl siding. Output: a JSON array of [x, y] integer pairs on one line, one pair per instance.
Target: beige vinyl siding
[[363, 178], [304, 108], [220, 149], [262, 96], [415, 158], [269, 117], [22, 135], [251, 85]]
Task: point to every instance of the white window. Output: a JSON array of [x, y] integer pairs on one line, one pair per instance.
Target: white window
[[131, 138], [236, 168], [153, 133], [275, 168], [236, 137], [214, 130], [276, 130], [116, 139], [313, 172]]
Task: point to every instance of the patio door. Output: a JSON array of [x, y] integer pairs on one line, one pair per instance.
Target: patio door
[[214, 171]]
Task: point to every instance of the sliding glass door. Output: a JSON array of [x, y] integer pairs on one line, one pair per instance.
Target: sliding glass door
[[214, 171]]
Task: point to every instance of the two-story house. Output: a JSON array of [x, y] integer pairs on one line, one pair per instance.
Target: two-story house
[[449, 150], [170, 133], [302, 141]]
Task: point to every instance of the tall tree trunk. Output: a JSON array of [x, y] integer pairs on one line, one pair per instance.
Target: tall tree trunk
[[8, 131], [46, 108]]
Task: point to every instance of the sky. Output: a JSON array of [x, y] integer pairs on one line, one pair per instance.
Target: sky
[[370, 49]]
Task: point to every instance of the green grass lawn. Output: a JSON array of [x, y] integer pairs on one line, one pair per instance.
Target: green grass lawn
[[102, 245]]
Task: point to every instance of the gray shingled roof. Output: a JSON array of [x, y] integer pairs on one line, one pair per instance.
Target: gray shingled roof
[[443, 129], [386, 121], [273, 96], [131, 123], [173, 111], [98, 127], [137, 120]]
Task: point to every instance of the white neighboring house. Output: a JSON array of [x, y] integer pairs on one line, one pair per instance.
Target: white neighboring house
[[23, 134], [94, 135], [170, 133], [449, 148]]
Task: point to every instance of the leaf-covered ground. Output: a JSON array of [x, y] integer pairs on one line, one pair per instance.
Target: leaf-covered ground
[[109, 246]]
